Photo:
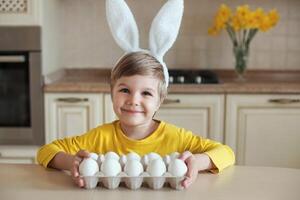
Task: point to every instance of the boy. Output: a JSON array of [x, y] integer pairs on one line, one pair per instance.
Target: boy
[[138, 87]]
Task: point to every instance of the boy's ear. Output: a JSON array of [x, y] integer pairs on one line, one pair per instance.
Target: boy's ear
[[164, 28], [122, 25]]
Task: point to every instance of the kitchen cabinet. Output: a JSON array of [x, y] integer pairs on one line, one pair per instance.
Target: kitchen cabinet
[[261, 129], [202, 114], [18, 154], [264, 129], [109, 114], [69, 114], [22, 12]]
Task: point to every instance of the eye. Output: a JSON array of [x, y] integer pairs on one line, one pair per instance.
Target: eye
[[146, 93], [124, 90]]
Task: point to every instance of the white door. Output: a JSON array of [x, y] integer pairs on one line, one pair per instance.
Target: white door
[[202, 114], [264, 129], [72, 114], [109, 114]]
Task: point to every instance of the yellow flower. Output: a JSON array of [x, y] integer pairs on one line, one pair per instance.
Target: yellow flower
[[242, 15], [273, 16], [224, 13], [236, 23], [221, 18], [265, 24], [250, 21], [243, 24], [258, 17]]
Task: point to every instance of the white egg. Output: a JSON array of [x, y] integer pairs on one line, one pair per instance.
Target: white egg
[[88, 167], [177, 167], [112, 155], [146, 159], [94, 156], [133, 156], [156, 167], [111, 167], [167, 159], [174, 155], [133, 168], [129, 156]]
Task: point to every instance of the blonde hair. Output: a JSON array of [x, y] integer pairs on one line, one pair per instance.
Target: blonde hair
[[139, 63]]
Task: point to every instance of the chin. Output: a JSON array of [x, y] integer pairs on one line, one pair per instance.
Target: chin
[[133, 122]]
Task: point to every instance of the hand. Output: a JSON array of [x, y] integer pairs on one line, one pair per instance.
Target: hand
[[192, 172], [80, 155]]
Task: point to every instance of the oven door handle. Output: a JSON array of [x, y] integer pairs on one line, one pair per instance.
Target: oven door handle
[[12, 59]]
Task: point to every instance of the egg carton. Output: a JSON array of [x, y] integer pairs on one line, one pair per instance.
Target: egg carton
[[133, 183]]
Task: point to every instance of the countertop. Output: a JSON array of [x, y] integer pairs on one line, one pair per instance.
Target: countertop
[[30, 181], [257, 82]]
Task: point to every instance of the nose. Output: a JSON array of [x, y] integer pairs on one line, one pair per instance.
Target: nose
[[133, 100]]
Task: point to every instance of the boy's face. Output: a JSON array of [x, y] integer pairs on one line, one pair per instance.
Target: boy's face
[[136, 99]]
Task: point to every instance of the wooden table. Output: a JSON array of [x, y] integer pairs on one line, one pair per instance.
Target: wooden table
[[21, 181]]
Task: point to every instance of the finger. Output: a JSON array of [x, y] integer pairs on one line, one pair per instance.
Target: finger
[[186, 182], [75, 166], [79, 182], [185, 155], [191, 167], [83, 154]]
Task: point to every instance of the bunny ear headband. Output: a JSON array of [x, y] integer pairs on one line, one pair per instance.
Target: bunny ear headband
[[163, 32]]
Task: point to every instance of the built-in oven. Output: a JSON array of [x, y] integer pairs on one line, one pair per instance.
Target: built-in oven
[[21, 95]]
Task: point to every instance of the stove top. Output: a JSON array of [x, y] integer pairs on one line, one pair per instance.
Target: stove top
[[183, 76]]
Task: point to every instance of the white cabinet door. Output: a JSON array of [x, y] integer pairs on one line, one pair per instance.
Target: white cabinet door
[[72, 114], [264, 129], [22, 12], [109, 114], [18, 154], [202, 114]]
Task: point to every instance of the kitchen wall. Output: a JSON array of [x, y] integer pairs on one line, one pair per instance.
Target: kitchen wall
[[76, 35]]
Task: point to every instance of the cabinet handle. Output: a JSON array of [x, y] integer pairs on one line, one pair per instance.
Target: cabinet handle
[[170, 101], [72, 99], [284, 101], [0, 154]]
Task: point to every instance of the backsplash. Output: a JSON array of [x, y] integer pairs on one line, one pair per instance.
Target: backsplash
[[80, 32]]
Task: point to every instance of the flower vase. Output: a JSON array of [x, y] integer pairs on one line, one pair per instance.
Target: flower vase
[[241, 53]]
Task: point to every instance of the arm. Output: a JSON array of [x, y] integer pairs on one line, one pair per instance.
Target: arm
[[62, 161], [70, 146], [219, 154], [69, 162], [66, 154], [206, 155]]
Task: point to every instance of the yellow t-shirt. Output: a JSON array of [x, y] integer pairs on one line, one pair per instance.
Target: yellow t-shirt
[[166, 139]]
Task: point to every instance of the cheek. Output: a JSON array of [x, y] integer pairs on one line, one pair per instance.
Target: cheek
[[116, 100], [154, 106]]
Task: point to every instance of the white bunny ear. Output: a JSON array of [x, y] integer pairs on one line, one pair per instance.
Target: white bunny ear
[[122, 25], [165, 27]]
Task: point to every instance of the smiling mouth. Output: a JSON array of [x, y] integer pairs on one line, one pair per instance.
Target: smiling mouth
[[131, 111]]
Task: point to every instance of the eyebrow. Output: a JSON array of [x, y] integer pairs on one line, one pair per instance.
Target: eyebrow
[[124, 85]]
